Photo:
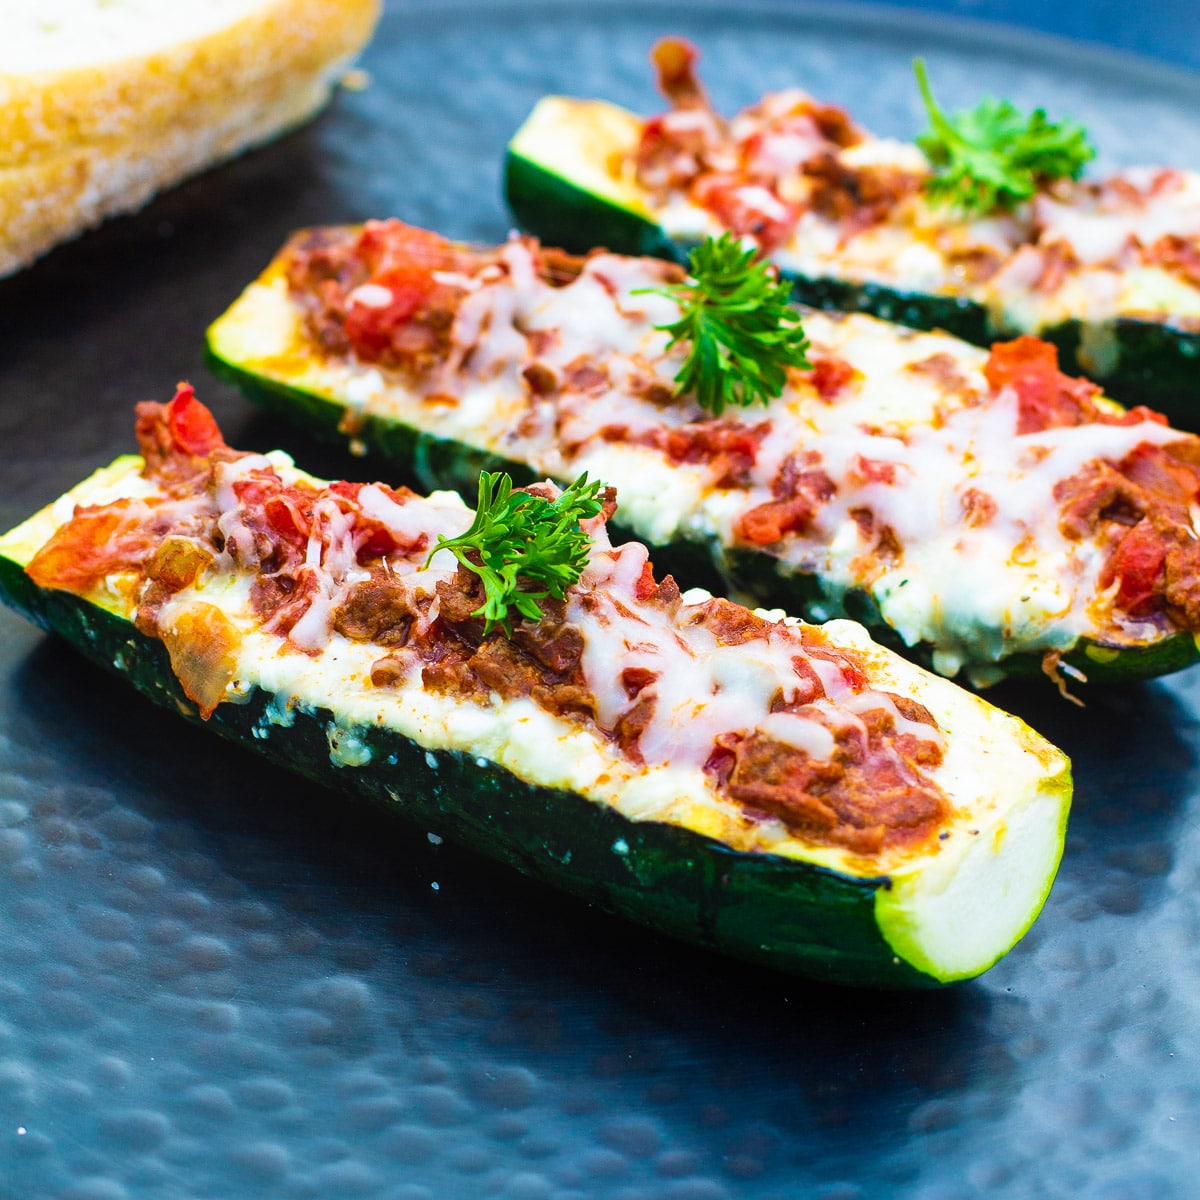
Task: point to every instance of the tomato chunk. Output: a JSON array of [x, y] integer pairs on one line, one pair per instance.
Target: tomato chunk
[[1137, 564], [100, 540], [194, 429], [1046, 398]]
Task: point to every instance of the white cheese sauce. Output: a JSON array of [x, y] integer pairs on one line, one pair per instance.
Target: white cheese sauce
[[1108, 229], [917, 405]]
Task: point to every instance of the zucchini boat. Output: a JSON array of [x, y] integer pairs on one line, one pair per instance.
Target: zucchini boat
[[1108, 270], [793, 795], [981, 509]]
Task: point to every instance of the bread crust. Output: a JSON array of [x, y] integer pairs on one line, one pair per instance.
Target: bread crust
[[80, 145]]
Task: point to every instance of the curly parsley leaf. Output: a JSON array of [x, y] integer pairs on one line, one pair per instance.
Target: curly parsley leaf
[[524, 547], [741, 331], [992, 157]]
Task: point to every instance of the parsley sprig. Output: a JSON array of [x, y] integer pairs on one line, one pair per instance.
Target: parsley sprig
[[992, 156], [524, 547], [741, 330]]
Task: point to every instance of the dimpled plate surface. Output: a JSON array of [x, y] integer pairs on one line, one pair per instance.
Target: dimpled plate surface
[[218, 982]]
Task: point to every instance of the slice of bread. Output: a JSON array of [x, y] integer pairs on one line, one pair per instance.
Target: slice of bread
[[103, 103]]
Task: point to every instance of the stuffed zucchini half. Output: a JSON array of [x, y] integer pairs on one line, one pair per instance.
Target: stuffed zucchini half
[[981, 509], [790, 794], [1107, 269]]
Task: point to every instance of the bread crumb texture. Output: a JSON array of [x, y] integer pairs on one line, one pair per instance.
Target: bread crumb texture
[[103, 103]]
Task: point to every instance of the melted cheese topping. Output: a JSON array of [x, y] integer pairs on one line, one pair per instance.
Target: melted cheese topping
[[913, 439], [705, 688], [1087, 250]]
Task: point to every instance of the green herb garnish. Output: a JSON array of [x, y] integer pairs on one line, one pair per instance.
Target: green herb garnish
[[993, 157], [524, 547], [734, 312]]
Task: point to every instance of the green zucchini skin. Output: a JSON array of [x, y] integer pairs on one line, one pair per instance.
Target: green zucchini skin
[[562, 214], [1143, 362], [576, 220], [777, 912], [751, 576]]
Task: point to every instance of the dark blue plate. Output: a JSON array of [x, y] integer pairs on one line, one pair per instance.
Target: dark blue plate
[[217, 981]]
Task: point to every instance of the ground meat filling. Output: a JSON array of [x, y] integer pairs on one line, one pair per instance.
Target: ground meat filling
[[872, 793], [315, 549], [1175, 254], [389, 293], [759, 173], [540, 661], [101, 541], [800, 490], [169, 540], [380, 610], [1139, 508], [874, 790], [763, 171], [1046, 398], [857, 197], [726, 446]]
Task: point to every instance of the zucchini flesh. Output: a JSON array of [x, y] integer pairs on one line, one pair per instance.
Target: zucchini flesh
[[259, 345], [560, 183], [943, 915]]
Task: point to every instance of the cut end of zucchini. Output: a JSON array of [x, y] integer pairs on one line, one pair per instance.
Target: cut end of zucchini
[[959, 908], [262, 328], [955, 924], [587, 142], [568, 180]]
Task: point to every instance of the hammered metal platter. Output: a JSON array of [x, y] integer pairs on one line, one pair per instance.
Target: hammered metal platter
[[219, 982]]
